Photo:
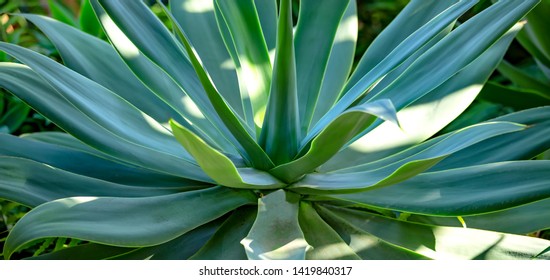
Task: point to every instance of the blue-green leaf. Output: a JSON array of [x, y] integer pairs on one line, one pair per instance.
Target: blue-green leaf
[[443, 242], [198, 21], [521, 145], [87, 162], [403, 165], [224, 244], [31, 183], [340, 62], [334, 137], [251, 53], [326, 243], [139, 222], [463, 191], [317, 26], [281, 130], [102, 120], [427, 115], [276, 233]]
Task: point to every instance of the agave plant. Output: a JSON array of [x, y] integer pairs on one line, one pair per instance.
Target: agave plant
[[232, 136]]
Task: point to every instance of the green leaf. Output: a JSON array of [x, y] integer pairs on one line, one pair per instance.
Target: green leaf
[[340, 62], [444, 60], [31, 183], [276, 233], [523, 80], [463, 191], [98, 61], [523, 219], [281, 130], [445, 242], [334, 137], [408, 47], [446, 144], [178, 249], [534, 38], [152, 51], [219, 167], [414, 16], [267, 13], [317, 26], [224, 244], [248, 148], [403, 165], [427, 115], [181, 248], [62, 13], [519, 99], [139, 222], [15, 115], [252, 55], [90, 251], [520, 145], [198, 21], [88, 21], [102, 120], [366, 245], [326, 243], [159, 82], [88, 163]]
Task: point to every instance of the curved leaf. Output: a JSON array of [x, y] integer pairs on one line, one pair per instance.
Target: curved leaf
[[138, 222], [114, 138], [159, 82], [525, 144], [276, 233], [463, 191], [219, 167], [401, 166], [334, 137], [445, 242], [416, 14], [247, 146], [425, 116], [224, 244], [180, 248], [31, 184], [326, 243], [523, 219], [177, 249], [365, 244], [98, 61], [88, 164], [197, 19], [408, 47]]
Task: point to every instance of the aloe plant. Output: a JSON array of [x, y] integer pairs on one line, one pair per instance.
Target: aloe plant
[[232, 136]]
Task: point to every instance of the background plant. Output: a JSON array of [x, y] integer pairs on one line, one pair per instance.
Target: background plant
[[407, 75]]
